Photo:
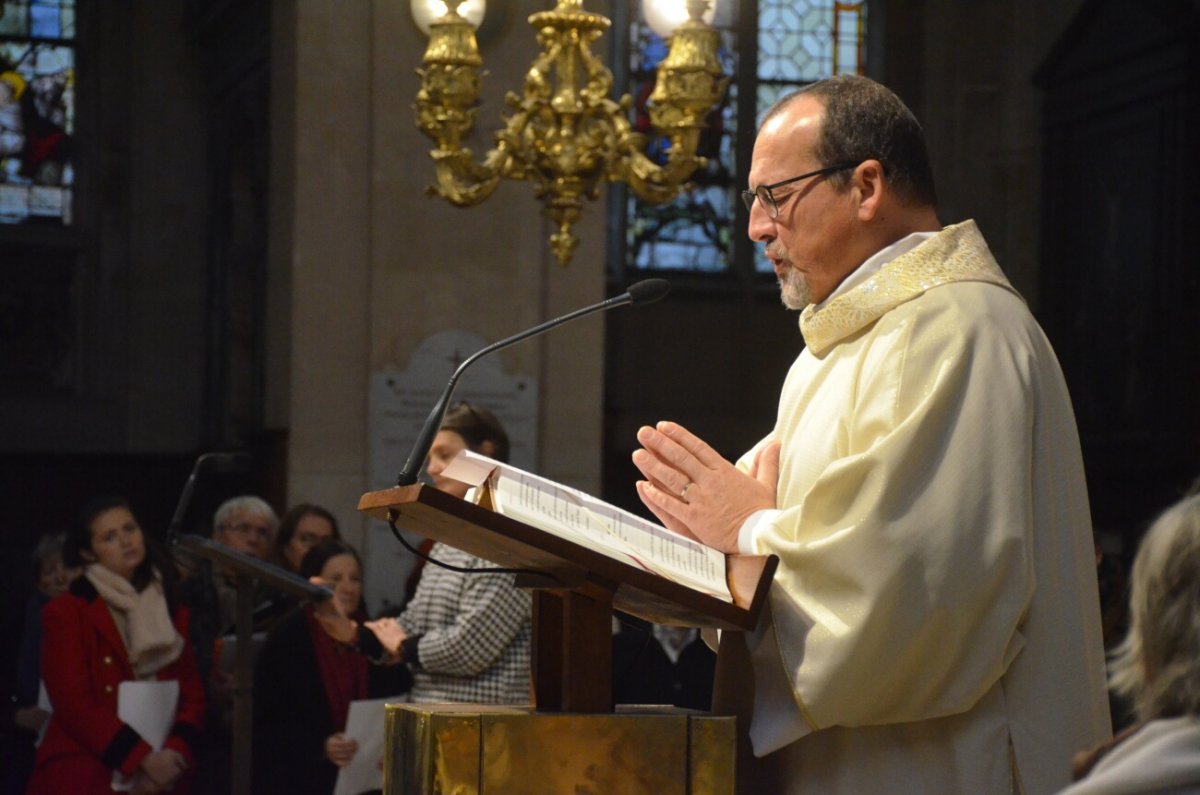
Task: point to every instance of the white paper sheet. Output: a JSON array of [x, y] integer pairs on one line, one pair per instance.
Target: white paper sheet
[[364, 725], [149, 708], [43, 702]]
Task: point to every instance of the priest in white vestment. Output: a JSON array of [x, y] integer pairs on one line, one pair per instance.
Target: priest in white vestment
[[934, 622]]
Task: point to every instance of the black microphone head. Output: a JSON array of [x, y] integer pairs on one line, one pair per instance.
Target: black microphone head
[[647, 291]]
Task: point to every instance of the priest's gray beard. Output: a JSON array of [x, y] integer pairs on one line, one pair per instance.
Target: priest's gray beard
[[794, 290]]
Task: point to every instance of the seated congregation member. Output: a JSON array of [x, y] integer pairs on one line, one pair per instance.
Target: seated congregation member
[[245, 524], [304, 682], [118, 623], [52, 577], [464, 635], [1158, 668], [302, 528]]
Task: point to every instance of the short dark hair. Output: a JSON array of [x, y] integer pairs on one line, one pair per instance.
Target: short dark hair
[[865, 120], [287, 525], [79, 539], [477, 425], [79, 536]]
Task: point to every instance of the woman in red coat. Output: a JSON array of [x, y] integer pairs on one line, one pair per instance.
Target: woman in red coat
[[115, 624]]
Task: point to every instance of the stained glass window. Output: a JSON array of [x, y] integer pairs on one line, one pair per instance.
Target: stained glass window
[[37, 110], [693, 231], [798, 42]]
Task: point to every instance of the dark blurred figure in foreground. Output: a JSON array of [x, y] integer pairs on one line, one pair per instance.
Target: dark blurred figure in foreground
[[1157, 668], [656, 664]]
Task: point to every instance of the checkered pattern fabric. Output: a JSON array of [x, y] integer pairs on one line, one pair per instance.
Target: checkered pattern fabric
[[475, 634]]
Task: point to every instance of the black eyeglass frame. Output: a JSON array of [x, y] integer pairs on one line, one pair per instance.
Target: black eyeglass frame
[[764, 192]]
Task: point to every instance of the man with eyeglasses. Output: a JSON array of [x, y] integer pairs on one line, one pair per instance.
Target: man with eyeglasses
[[933, 625], [247, 524]]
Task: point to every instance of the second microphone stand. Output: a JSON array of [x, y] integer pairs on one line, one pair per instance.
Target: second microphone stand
[[247, 571]]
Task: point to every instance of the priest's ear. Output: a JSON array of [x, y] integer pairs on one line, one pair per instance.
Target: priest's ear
[[488, 448], [870, 186]]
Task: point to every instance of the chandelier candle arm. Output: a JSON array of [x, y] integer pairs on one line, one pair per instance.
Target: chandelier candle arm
[[564, 133]]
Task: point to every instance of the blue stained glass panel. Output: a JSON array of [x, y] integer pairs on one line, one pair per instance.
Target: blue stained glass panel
[[37, 111], [14, 17], [801, 41], [792, 37], [691, 232]]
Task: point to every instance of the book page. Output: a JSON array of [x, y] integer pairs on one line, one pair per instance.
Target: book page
[[585, 520]]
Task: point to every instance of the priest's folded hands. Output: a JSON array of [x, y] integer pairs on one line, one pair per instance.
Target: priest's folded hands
[[697, 493]]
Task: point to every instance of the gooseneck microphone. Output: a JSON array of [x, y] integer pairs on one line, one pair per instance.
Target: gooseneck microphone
[[644, 292], [209, 462]]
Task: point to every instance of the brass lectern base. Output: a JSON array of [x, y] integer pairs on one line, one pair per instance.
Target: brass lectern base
[[456, 749]]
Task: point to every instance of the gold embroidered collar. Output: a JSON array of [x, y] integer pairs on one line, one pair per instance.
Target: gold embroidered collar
[[956, 254]]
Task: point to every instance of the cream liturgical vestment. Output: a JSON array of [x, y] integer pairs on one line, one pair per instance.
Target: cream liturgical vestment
[[934, 624]]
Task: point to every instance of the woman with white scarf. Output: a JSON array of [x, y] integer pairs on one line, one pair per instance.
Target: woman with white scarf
[[117, 623]]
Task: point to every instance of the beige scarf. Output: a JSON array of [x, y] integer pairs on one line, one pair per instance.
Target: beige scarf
[[150, 638]]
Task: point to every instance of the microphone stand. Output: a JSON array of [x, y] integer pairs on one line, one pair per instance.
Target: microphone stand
[[246, 571], [643, 292]]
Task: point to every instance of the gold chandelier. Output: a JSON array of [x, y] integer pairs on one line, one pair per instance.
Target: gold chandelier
[[564, 134]]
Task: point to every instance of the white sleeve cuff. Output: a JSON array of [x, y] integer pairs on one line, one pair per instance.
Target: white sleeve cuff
[[747, 534]]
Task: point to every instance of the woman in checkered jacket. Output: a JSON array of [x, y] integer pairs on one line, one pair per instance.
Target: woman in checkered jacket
[[464, 636]]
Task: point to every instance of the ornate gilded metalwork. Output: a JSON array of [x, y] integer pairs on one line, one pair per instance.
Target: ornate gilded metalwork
[[466, 749], [564, 133]]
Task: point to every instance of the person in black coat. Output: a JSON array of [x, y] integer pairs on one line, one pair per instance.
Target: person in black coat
[[655, 664], [304, 682]]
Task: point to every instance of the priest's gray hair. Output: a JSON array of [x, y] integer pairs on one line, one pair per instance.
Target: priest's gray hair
[[1158, 664]]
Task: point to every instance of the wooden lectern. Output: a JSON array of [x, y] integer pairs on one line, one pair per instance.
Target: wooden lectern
[[575, 589]]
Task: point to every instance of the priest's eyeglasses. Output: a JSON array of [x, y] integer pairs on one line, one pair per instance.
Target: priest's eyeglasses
[[765, 195]]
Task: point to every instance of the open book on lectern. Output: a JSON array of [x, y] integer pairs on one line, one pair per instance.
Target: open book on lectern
[[582, 519]]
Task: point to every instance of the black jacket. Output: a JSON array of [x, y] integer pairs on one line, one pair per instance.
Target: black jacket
[[291, 714]]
